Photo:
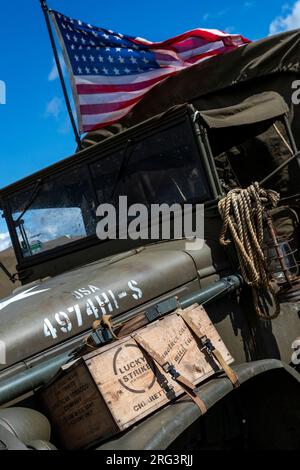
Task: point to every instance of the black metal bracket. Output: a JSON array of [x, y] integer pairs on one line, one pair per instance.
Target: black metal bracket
[[161, 309], [207, 344], [101, 336], [170, 369]]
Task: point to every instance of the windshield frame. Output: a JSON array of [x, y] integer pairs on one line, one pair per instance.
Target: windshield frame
[[87, 157]]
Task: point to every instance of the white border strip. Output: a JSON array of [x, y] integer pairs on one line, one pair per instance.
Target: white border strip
[[70, 71]]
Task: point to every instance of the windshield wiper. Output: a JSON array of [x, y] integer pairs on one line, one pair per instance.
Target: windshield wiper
[[33, 197], [10, 276], [126, 157]]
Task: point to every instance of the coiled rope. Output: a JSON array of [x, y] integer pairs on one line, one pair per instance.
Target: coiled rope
[[242, 211]]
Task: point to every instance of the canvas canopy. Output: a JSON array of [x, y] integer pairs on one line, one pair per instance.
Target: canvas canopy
[[270, 64], [255, 109]]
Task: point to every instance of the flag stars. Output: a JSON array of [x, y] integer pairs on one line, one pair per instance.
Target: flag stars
[[97, 51]]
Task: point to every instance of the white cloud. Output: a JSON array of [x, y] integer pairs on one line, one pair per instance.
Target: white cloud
[[5, 241], [291, 20], [229, 29], [49, 224], [54, 107], [53, 75], [65, 127], [285, 7]]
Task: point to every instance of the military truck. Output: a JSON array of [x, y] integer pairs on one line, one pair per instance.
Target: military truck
[[182, 155]]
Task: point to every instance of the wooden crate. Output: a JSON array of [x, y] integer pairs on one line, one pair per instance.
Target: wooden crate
[[117, 385]]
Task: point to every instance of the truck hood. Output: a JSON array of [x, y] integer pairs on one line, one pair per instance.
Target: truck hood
[[40, 316]]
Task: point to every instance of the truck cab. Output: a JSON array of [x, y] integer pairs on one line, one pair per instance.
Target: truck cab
[[69, 277]]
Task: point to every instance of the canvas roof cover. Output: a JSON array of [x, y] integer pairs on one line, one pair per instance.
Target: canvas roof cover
[[255, 109], [270, 64]]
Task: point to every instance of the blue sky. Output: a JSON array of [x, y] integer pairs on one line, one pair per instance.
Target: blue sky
[[35, 131]]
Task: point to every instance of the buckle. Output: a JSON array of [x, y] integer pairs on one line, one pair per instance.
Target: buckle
[[207, 344], [101, 336], [166, 366], [170, 369], [168, 389]]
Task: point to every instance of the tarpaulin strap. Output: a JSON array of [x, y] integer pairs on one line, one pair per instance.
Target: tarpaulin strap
[[210, 348], [106, 322], [188, 386]]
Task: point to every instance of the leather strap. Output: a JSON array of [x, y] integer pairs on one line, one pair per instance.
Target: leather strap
[[211, 348], [188, 386]]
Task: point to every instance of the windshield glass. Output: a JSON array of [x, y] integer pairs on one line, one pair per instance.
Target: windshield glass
[[5, 241], [62, 211], [163, 167]]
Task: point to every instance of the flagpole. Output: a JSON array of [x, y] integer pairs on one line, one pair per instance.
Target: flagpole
[[60, 73]]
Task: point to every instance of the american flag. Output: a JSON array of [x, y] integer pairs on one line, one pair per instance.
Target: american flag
[[110, 72]]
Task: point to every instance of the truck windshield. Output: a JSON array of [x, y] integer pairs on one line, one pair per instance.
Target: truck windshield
[[164, 167], [62, 211]]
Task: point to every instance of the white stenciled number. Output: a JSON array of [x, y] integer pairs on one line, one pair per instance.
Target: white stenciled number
[[76, 309], [138, 294], [64, 322], [49, 330], [91, 309], [296, 353]]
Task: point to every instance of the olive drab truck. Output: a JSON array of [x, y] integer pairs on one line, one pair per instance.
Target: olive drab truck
[[160, 344]]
